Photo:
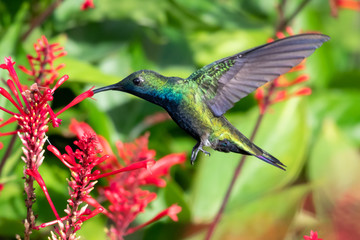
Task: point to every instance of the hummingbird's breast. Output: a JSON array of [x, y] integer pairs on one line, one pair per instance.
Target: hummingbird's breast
[[194, 116]]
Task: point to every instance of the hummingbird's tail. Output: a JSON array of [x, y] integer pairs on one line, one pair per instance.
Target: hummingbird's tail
[[245, 146], [266, 157], [234, 141]]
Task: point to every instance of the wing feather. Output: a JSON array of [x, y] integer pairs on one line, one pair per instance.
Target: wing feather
[[227, 80]]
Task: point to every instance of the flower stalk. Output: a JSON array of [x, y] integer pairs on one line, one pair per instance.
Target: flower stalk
[[32, 113], [271, 93]]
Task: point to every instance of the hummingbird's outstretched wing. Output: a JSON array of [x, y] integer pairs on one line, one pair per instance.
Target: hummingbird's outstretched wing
[[227, 80]]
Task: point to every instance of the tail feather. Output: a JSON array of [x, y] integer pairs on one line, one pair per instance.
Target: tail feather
[[241, 144], [266, 157]]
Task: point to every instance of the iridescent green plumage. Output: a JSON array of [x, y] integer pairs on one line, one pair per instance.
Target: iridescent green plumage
[[197, 103]]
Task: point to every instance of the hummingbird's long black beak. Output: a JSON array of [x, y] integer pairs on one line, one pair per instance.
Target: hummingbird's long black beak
[[106, 88]]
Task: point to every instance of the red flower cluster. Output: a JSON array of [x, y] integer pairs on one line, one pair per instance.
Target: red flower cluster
[[345, 4], [87, 4], [124, 193], [348, 4], [277, 90], [34, 110], [33, 116], [313, 236], [43, 71], [81, 163]]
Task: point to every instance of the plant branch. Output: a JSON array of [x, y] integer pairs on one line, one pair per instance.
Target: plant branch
[[30, 198], [283, 22], [239, 167], [281, 13], [41, 18], [231, 186]]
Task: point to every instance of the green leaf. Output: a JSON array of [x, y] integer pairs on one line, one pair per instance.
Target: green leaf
[[171, 194], [13, 160], [333, 167], [347, 80], [94, 228], [340, 105], [268, 217], [99, 120], [11, 201], [174, 194], [12, 36], [225, 43], [84, 72]]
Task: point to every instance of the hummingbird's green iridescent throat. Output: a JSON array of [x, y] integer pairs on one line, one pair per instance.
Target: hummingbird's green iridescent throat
[[197, 103]]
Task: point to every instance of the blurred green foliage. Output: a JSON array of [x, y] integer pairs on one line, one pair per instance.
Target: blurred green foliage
[[317, 136]]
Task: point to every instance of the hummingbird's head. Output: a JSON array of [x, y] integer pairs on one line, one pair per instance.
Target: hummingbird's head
[[146, 84]]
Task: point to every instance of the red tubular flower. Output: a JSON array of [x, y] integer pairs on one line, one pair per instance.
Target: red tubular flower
[[1, 144], [278, 90], [172, 212], [32, 112], [313, 236], [81, 163], [335, 5], [32, 119], [43, 71], [34, 173], [348, 4], [33, 108], [125, 197], [303, 91], [87, 4]]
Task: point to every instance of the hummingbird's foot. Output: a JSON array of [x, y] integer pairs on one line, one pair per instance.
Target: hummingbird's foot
[[195, 151], [206, 152]]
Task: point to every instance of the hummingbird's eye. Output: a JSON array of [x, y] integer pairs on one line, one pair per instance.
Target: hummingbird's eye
[[137, 81]]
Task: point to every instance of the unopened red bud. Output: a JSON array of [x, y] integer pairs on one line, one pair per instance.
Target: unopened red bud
[[303, 91]]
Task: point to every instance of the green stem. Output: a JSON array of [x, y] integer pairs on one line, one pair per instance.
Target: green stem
[[283, 22], [8, 151], [231, 186], [239, 167], [41, 18]]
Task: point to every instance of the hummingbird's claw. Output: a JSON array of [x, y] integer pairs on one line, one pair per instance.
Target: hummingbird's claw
[[192, 161], [194, 155], [206, 152], [195, 151]]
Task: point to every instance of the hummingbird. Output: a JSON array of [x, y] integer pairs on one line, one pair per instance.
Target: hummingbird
[[198, 103]]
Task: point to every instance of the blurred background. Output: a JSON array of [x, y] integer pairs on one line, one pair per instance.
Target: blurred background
[[317, 136]]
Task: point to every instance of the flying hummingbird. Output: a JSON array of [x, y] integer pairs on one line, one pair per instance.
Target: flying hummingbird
[[197, 103]]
